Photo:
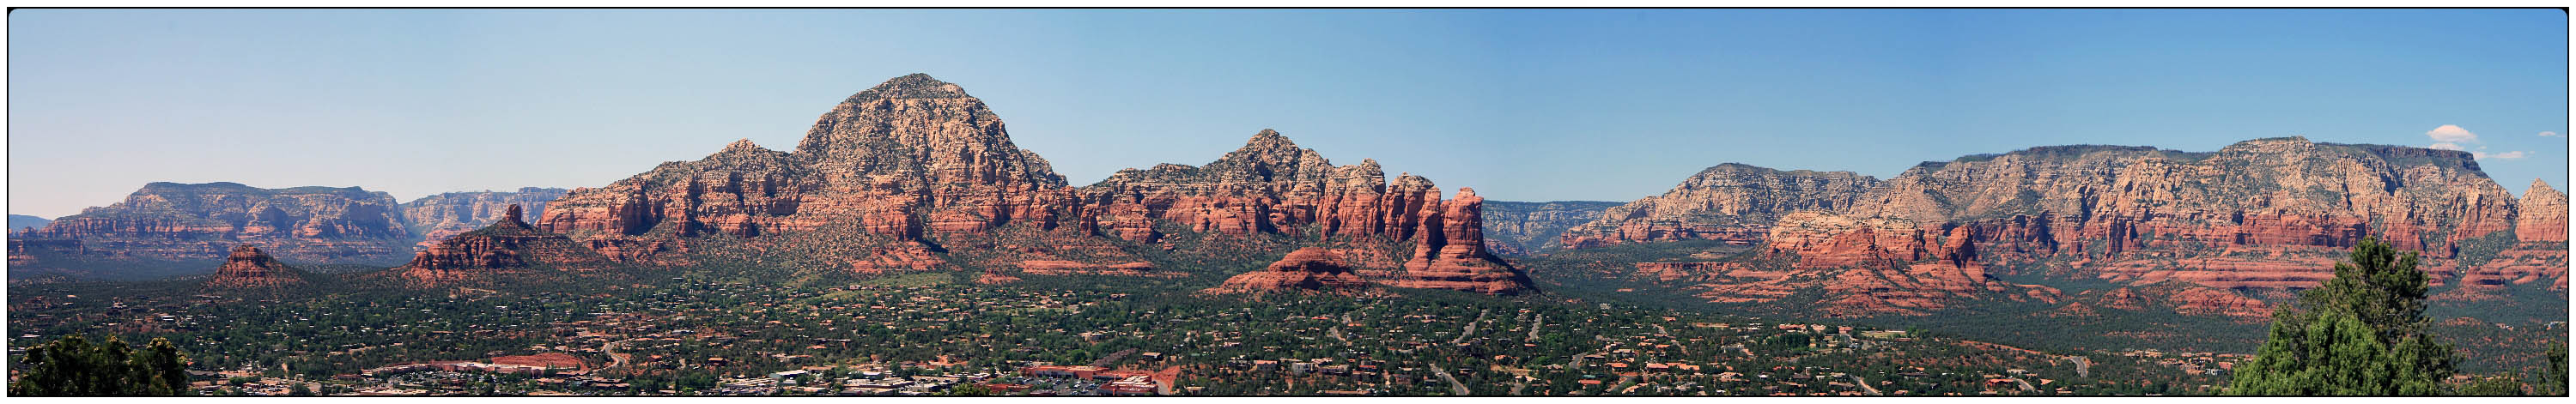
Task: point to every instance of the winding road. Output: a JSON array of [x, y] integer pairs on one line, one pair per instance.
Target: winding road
[[1454, 386], [616, 360]]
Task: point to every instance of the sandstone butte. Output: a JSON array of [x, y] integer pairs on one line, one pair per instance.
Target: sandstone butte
[[1307, 269], [179, 222], [915, 174], [1730, 202], [437, 217], [509, 248], [248, 267], [2265, 213]]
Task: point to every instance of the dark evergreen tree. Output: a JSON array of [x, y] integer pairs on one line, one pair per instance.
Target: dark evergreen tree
[[72, 366], [2361, 333]]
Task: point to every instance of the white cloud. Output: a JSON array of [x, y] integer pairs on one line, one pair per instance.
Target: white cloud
[[2452, 134], [2445, 146], [2551, 134], [2501, 156]]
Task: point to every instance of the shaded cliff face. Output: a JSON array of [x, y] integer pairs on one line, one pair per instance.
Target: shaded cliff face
[[437, 217], [506, 249], [1530, 228], [170, 221], [1729, 202], [248, 267], [916, 175]]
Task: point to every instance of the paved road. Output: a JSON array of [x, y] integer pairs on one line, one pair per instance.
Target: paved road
[[1864, 385], [1454, 385], [1536, 321], [616, 360], [1471, 326], [2083, 366]]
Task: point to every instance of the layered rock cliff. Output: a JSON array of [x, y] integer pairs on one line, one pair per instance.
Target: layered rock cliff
[[507, 248], [1730, 202], [1531, 228], [437, 217], [1271, 186], [248, 267], [917, 175], [171, 221], [2260, 214]]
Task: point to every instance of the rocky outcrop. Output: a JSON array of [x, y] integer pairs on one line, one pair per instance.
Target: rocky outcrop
[[1304, 270], [1532, 228], [1730, 202], [182, 222], [2268, 213], [2536, 256], [911, 160], [437, 217], [1271, 186], [917, 175], [2283, 192], [508, 248], [248, 267], [2542, 214], [2263, 214]]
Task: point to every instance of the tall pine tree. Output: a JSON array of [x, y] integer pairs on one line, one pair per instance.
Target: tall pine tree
[[2361, 333]]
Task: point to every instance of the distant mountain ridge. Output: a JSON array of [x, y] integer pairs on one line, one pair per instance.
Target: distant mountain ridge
[[171, 223], [1529, 228], [19, 223], [2259, 214]]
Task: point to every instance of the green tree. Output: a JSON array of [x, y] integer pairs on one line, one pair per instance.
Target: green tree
[[968, 389], [2361, 333], [72, 366], [2554, 378]]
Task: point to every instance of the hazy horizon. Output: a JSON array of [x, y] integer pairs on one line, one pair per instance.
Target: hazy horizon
[[1523, 105]]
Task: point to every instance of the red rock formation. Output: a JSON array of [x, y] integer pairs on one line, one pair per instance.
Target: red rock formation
[[915, 174], [1730, 202], [2268, 213], [1307, 269], [2542, 216], [169, 221], [1453, 255], [497, 252], [909, 159], [994, 277], [248, 267]]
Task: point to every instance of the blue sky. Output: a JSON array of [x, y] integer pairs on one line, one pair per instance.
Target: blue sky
[[1520, 104]]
